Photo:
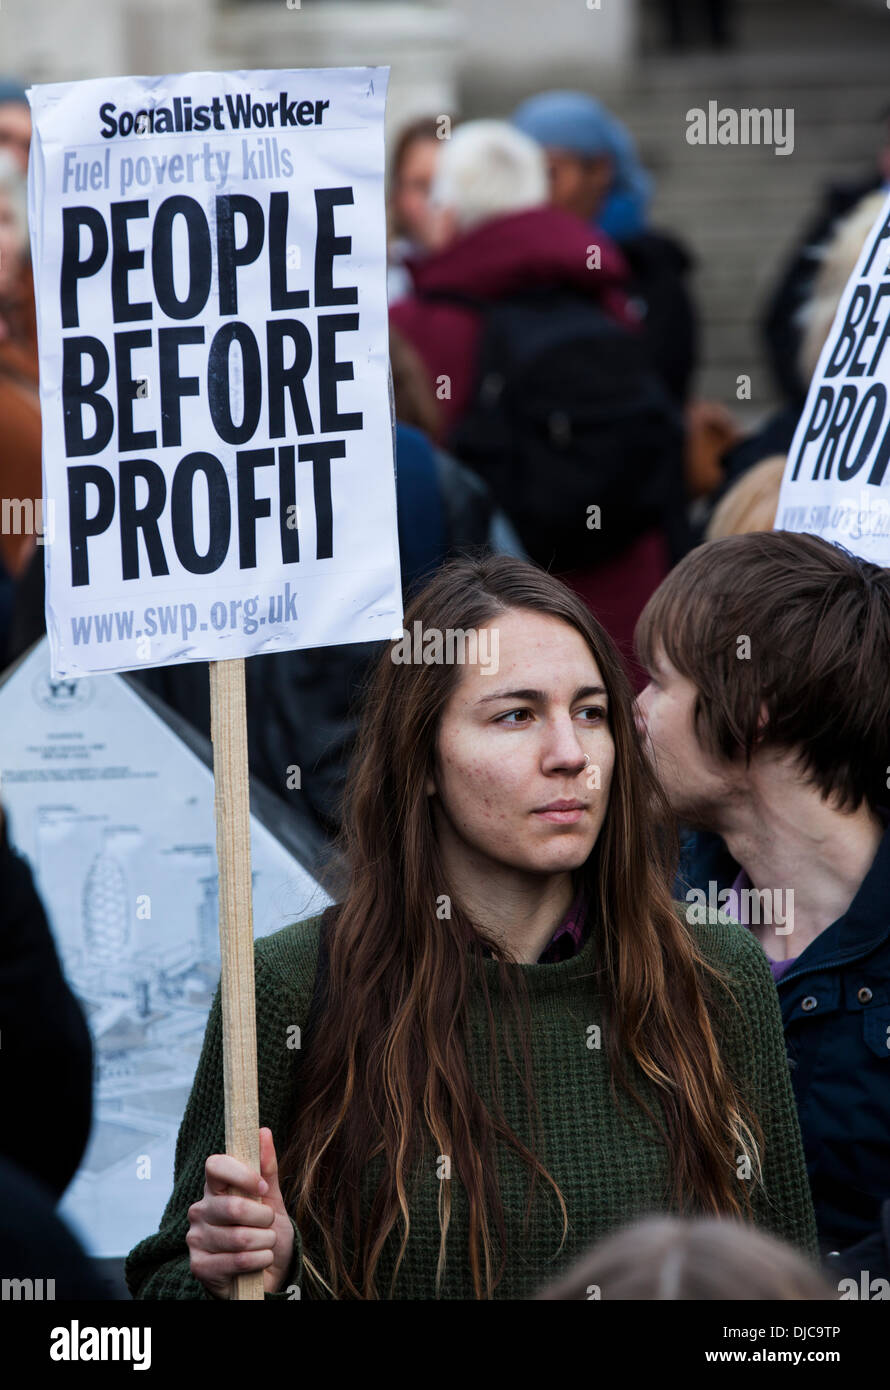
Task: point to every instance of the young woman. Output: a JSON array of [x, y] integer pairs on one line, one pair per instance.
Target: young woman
[[411, 226], [521, 1045]]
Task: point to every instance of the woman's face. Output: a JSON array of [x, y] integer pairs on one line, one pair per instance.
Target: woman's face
[[411, 190], [577, 185], [512, 741], [10, 247], [15, 131]]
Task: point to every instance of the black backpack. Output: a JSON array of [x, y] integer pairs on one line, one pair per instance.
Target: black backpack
[[568, 414]]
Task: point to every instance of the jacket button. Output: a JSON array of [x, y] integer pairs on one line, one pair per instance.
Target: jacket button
[[808, 1003], [864, 994]]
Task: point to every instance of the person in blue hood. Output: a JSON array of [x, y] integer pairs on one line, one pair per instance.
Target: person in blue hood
[[595, 172]]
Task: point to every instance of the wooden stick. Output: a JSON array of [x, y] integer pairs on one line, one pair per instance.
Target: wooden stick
[[228, 730]]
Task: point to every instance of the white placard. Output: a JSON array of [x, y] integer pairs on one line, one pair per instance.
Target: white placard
[[210, 266], [837, 481]]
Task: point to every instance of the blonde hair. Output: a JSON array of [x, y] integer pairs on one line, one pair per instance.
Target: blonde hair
[[675, 1259], [838, 257], [751, 502]]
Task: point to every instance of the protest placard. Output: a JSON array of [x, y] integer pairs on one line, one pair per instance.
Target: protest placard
[[209, 257], [209, 260], [836, 483]]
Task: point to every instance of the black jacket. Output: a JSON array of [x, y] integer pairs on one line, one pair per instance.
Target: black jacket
[[36, 1244], [835, 1003], [660, 267], [782, 330], [46, 1056]]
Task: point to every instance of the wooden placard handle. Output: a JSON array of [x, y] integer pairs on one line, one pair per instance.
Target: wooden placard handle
[[228, 730]]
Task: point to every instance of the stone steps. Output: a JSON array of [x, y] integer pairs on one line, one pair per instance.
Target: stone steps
[[740, 209]]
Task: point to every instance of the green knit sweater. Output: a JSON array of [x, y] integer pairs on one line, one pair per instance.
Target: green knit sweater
[[608, 1160]]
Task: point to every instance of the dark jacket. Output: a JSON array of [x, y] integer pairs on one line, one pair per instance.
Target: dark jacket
[[36, 1244], [46, 1057], [540, 248], [835, 1003], [782, 331], [659, 270], [546, 250]]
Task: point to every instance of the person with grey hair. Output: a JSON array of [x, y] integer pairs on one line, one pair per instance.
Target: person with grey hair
[[542, 376], [494, 234], [485, 170]]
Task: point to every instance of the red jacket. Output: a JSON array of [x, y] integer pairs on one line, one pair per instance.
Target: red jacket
[[541, 246]]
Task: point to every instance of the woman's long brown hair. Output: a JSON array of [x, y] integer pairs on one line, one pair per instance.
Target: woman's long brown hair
[[386, 1081]]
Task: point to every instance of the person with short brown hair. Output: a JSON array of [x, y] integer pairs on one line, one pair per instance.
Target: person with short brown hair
[[768, 717]]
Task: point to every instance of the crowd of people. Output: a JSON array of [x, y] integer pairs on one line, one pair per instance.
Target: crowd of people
[[615, 926]]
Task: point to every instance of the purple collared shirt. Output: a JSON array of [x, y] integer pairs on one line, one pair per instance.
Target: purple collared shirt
[[569, 936], [742, 881]]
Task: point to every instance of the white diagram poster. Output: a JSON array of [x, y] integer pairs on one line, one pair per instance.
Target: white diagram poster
[[115, 817]]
